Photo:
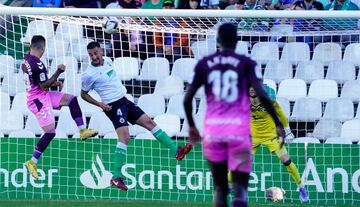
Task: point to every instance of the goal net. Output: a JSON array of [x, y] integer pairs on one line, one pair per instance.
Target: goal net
[[311, 59]]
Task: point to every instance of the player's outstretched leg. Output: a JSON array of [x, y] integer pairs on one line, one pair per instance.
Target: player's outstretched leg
[[76, 114], [221, 189], [240, 185], [42, 144]]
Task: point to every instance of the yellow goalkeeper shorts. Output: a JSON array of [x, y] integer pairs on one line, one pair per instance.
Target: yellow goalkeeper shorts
[[272, 144]]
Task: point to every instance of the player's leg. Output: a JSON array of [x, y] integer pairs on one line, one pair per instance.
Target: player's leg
[[42, 110], [219, 172], [138, 116], [59, 99], [283, 155], [240, 185]]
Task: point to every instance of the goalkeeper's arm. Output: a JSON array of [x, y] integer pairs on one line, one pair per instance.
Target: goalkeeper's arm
[[289, 136]]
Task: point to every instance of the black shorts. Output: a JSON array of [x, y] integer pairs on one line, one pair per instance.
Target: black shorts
[[122, 112]]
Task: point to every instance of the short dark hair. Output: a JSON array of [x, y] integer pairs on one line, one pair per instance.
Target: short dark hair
[[37, 42], [93, 45], [227, 35]]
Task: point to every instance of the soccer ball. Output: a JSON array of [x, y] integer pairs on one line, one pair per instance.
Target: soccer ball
[[110, 24], [275, 194]]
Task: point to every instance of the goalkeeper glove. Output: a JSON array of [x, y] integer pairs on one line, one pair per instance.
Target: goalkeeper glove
[[289, 136]]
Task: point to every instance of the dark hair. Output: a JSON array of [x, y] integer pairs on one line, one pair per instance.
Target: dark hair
[[93, 45], [227, 36], [184, 4], [37, 42]]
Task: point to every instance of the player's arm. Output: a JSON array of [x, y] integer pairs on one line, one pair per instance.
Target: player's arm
[[194, 135], [86, 86], [46, 83], [289, 136]]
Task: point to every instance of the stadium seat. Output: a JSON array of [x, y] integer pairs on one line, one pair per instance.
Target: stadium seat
[[271, 84], [352, 53], [69, 32], [89, 109], [129, 97], [136, 129], [341, 109], [199, 123], [169, 86], [1, 134], [278, 71], [285, 105], [56, 48], [154, 68], [11, 121], [152, 104], [309, 71], [310, 140], [306, 110], [184, 68], [4, 101], [176, 106], [23, 133], [13, 84], [33, 125], [203, 48], [323, 90], [19, 104], [337, 140], [102, 123], [170, 123], [78, 50], [126, 68], [145, 135], [292, 89], [326, 128], [351, 90], [327, 52], [72, 85], [295, 52], [263, 52], [38, 27], [66, 123], [242, 48], [110, 135], [71, 67], [7, 65], [200, 92], [351, 130], [341, 71], [60, 135], [202, 106]]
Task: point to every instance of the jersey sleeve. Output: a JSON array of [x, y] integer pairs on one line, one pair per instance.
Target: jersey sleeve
[[284, 121], [86, 83]]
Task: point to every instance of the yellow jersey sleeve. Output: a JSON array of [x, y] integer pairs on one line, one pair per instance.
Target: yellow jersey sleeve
[[283, 119]]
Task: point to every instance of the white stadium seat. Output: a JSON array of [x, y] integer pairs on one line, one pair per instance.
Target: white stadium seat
[[152, 104], [126, 68], [4, 101], [145, 135], [71, 66], [242, 48], [11, 121], [72, 85], [326, 128], [310, 140], [22, 134], [170, 123], [102, 123], [1, 134], [199, 122], [263, 52], [351, 130], [323, 90], [285, 105], [7, 65], [129, 97], [341, 71], [292, 89], [176, 106], [169, 86], [202, 106], [13, 84], [337, 140], [78, 49], [68, 31], [19, 104], [154, 68], [278, 71], [38, 27], [56, 48], [351, 90], [89, 109], [66, 123], [184, 68], [310, 71], [307, 110], [111, 135], [295, 52], [33, 125], [327, 52], [352, 53], [203, 48], [340, 109], [60, 134], [136, 129]]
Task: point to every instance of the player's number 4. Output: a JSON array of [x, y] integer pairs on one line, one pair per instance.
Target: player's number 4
[[224, 85]]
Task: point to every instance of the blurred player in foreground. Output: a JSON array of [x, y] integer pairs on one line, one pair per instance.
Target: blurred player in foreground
[[227, 77], [101, 77], [41, 101], [263, 132]]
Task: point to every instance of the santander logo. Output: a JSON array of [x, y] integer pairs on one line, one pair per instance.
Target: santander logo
[[99, 179]]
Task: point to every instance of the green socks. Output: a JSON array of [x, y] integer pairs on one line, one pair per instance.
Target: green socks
[[120, 157], [164, 139]]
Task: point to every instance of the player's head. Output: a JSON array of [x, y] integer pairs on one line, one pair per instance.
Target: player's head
[[95, 53], [37, 44], [227, 36]]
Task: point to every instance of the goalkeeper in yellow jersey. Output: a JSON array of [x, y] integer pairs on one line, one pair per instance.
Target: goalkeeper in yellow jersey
[[263, 132]]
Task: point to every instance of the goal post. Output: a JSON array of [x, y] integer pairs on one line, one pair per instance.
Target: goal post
[[310, 58]]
